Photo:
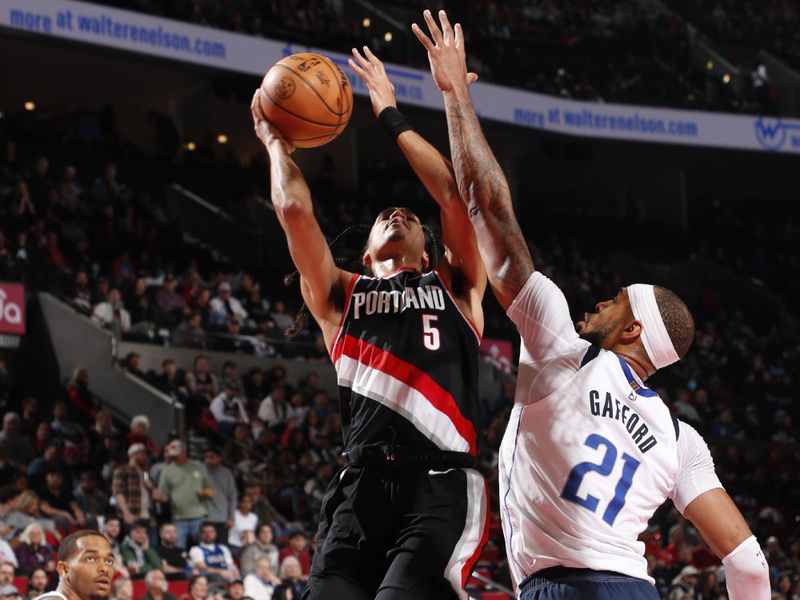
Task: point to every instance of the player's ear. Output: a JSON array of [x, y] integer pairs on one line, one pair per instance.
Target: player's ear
[[62, 568], [631, 332], [366, 260], [425, 260]]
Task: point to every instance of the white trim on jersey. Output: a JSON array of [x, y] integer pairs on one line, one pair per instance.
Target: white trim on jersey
[[403, 399], [473, 532], [469, 323], [54, 595]]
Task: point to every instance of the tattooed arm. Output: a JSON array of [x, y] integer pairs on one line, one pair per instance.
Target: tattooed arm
[[481, 182]]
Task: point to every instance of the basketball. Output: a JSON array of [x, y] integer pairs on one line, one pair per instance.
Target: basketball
[[308, 98]]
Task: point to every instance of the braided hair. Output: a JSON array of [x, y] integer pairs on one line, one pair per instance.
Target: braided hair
[[354, 264]]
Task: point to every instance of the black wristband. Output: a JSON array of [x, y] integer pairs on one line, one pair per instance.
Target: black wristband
[[394, 122]]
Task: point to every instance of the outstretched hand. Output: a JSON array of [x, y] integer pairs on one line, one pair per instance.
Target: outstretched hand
[[372, 72], [266, 131], [445, 52]]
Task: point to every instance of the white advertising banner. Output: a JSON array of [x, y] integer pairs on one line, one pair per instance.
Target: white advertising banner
[[176, 40]]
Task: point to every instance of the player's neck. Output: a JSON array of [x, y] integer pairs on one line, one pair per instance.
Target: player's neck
[[382, 268], [68, 592], [640, 366]]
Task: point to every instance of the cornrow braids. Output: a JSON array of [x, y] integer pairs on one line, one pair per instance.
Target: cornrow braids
[[432, 245], [350, 263]]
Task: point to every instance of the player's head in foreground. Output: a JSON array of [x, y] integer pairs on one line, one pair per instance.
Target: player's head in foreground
[[397, 237], [85, 566], [649, 324]]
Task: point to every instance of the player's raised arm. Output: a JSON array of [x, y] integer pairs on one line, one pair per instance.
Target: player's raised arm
[[433, 169], [481, 181], [291, 198]]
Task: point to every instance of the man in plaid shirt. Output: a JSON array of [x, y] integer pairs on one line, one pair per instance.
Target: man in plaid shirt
[[131, 486]]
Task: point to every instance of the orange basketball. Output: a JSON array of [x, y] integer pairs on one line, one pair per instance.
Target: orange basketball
[[308, 98]]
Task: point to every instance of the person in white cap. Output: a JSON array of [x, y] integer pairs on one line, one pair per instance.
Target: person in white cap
[[590, 451]]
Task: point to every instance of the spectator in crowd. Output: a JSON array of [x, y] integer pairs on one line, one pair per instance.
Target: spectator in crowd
[[92, 500], [171, 380], [190, 333], [140, 434], [17, 446], [112, 530], [58, 502], [261, 583], [111, 314], [213, 559], [228, 408], [157, 586], [122, 589], [224, 306], [198, 588], [33, 551], [173, 558], [132, 487], [7, 572], [292, 577], [79, 396], [133, 364], [201, 382], [64, 427], [243, 531], [82, 293], [273, 410], [283, 320], [37, 584], [263, 508], [262, 547], [222, 506], [185, 485], [298, 548], [170, 303], [137, 555], [27, 511]]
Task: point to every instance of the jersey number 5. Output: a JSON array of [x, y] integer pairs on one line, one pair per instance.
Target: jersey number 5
[[604, 468], [430, 334]]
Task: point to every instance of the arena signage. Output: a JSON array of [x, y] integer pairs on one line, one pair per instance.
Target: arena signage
[[12, 308], [175, 40]]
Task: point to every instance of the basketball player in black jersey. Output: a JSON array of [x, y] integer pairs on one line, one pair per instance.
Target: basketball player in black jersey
[[407, 518]]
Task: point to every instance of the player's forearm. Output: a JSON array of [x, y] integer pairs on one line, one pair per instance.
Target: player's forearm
[[434, 170], [484, 189], [288, 187]]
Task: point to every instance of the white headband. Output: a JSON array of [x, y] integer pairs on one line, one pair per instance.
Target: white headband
[[654, 336]]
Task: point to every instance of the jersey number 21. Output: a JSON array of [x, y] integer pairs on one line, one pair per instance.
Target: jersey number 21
[[604, 468]]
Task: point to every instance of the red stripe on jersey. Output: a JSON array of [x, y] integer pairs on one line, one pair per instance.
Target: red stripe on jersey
[[347, 296], [468, 566], [373, 357]]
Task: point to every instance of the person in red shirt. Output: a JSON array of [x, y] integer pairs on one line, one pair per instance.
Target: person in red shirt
[[298, 547]]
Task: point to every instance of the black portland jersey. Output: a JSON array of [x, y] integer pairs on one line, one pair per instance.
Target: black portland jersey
[[406, 361]]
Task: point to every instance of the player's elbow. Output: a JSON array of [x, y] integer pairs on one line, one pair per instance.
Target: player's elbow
[[292, 210]]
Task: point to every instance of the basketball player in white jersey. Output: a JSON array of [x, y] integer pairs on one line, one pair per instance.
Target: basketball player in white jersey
[[590, 452], [85, 568]]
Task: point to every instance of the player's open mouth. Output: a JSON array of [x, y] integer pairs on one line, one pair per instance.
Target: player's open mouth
[[103, 581]]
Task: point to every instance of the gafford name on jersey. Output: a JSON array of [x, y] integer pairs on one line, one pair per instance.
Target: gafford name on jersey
[[425, 297], [611, 408]]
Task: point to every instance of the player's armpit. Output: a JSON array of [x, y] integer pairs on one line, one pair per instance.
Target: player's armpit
[[718, 520]]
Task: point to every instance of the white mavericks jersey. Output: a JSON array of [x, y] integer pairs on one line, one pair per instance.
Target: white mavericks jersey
[[589, 453]]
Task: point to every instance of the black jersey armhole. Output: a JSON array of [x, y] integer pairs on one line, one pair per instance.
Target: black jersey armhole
[[590, 355], [677, 427]]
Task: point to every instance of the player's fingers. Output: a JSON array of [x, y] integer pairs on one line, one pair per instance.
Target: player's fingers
[[356, 69], [255, 106], [458, 36], [436, 34], [472, 78], [374, 60], [361, 60], [447, 30], [424, 39]]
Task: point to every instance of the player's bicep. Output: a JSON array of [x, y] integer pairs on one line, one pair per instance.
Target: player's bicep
[[718, 520]]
